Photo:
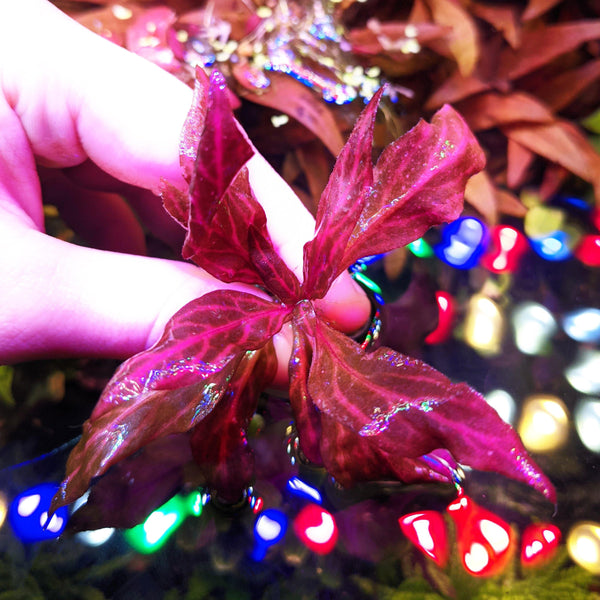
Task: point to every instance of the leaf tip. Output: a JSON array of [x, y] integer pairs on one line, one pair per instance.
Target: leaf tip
[[532, 474]]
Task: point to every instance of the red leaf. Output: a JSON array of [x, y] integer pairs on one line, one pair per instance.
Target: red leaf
[[120, 500], [313, 161], [536, 8], [236, 245], [295, 99], [502, 18], [419, 12], [306, 416], [277, 277], [492, 109], [560, 142], [401, 407], [509, 204], [542, 45], [200, 338], [340, 205], [175, 202], [227, 227], [558, 92], [552, 181], [219, 444], [462, 41], [222, 152], [419, 182], [141, 418], [220, 208], [172, 386], [350, 459], [480, 193], [147, 37], [324, 440], [519, 160], [194, 125], [455, 88], [391, 37]]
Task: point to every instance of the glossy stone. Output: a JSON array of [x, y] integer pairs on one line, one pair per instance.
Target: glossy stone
[[485, 541], [539, 544], [316, 528], [583, 545], [446, 312], [484, 325], [583, 325], [427, 531], [556, 246], [533, 327], [269, 528], [544, 424], [584, 372], [588, 250], [587, 423], [505, 249], [463, 243], [28, 514]]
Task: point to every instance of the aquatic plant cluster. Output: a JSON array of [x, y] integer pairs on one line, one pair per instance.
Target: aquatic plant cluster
[[363, 414]]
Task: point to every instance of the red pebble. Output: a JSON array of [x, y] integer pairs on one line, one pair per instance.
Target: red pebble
[[539, 544], [588, 250], [427, 531], [445, 319], [507, 246], [316, 528], [485, 541]]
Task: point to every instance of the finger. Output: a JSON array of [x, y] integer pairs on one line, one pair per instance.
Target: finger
[[66, 300]]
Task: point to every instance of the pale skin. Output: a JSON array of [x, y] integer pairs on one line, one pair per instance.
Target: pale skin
[[98, 123]]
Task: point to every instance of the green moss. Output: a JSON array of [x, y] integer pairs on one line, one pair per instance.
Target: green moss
[[557, 580]]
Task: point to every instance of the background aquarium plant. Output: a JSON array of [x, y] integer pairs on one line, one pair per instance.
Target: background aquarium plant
[[379, 477]]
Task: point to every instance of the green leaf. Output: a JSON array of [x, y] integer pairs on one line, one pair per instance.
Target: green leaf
[[6, 378], [592, 122]]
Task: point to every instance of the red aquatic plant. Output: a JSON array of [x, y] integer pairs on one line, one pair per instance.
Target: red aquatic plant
[[364, 415]]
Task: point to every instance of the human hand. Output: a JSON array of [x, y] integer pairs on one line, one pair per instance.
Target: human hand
[[98, 122]]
